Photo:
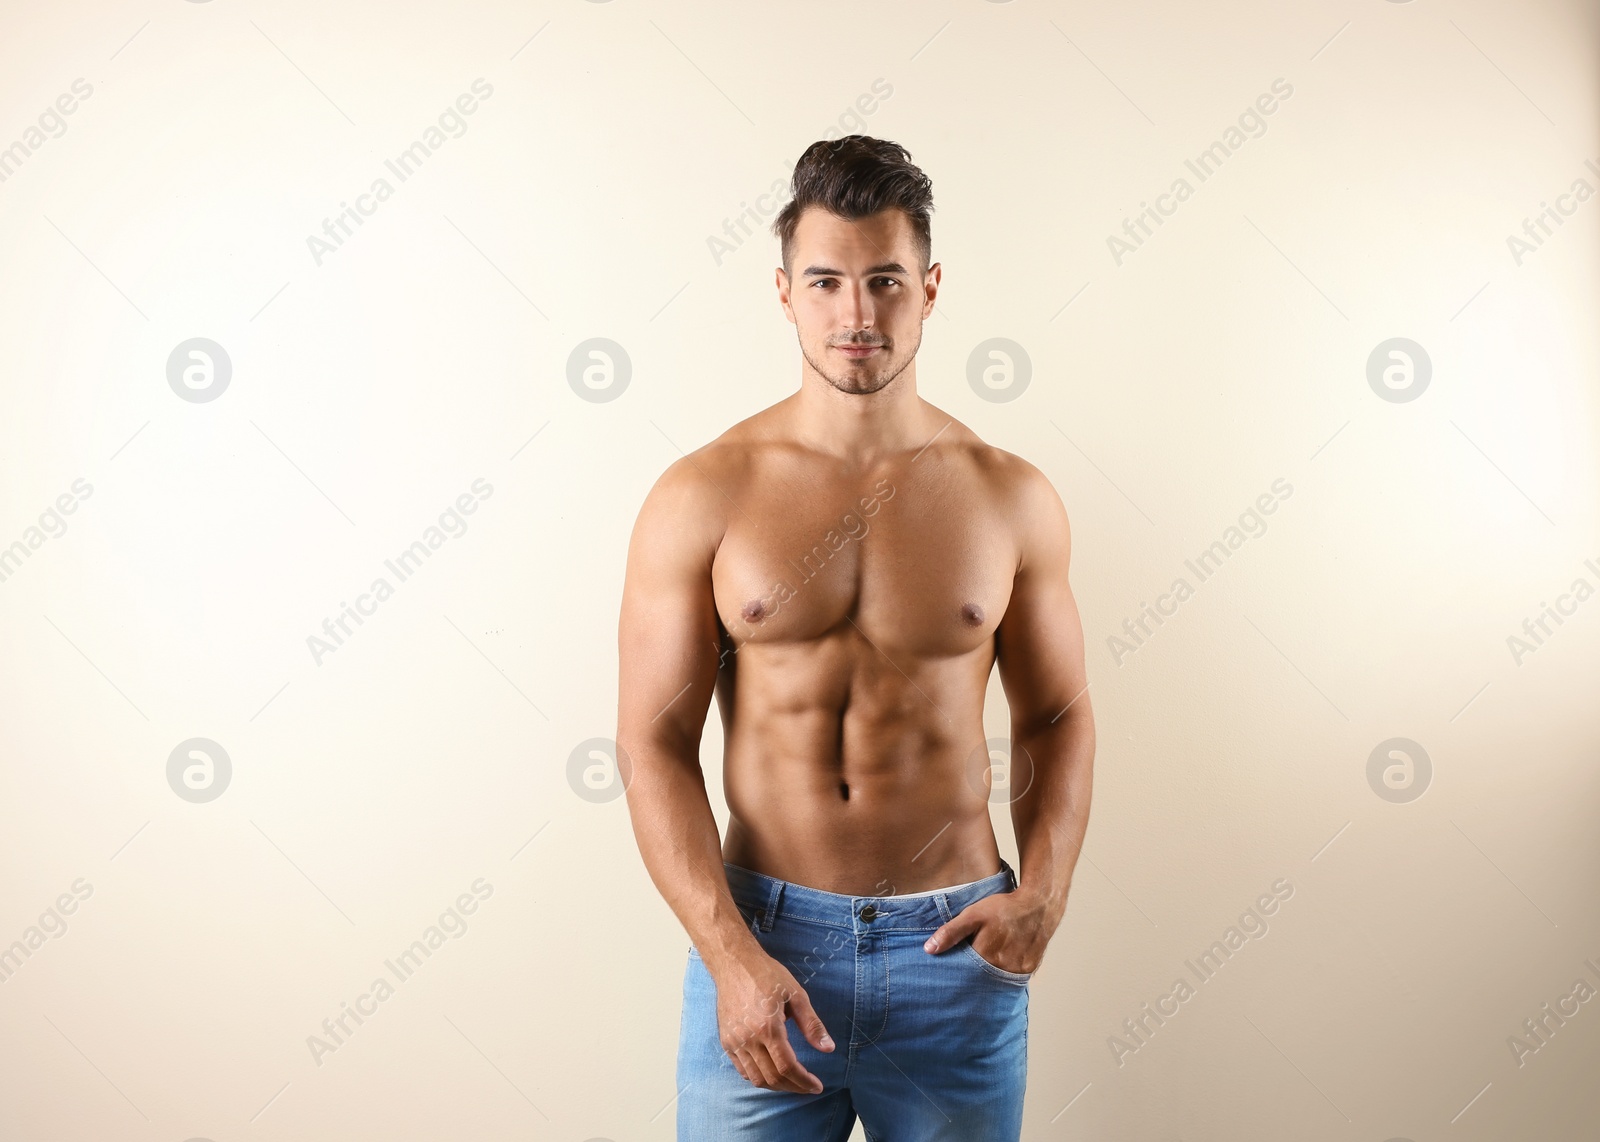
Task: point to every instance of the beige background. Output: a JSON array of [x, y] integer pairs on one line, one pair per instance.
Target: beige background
[[430, 350]]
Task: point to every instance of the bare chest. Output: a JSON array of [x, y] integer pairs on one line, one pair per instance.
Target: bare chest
[[921, 567]]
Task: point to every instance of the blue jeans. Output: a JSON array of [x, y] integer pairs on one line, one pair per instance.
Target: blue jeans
[[927, 1046]]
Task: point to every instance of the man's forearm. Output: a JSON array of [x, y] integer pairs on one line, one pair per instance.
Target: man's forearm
[[1051, 816], [677, 836]]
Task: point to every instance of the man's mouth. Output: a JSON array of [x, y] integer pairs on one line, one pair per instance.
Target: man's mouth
[[858, 350]]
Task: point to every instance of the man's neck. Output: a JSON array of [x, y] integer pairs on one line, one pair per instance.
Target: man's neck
[[860, 428]]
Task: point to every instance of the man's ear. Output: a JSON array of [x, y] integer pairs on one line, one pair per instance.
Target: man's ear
[[781, 279], [930, 288]]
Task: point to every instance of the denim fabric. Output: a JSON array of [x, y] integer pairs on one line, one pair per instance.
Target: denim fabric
[[927, 1046]]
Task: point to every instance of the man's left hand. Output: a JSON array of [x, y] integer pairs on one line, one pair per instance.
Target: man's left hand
[[1008, 929]]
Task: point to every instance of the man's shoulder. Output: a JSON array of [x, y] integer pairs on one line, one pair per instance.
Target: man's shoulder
[[1015, 488], [695, 491], [710, 466], [1007, 475]]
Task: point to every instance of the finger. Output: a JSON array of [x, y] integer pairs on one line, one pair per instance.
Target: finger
[[951, 933], [736, 1055], [760, 1068], [741, 1048], [775, 1078], [791, 1072], [810, 1023]]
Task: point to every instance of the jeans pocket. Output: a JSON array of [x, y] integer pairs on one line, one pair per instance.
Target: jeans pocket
[[994, 970]]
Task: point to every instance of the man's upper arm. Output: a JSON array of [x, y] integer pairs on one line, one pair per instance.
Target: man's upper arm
[[1039, 643], [667, 637]]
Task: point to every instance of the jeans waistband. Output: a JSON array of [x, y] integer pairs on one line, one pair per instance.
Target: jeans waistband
[[766, 898]]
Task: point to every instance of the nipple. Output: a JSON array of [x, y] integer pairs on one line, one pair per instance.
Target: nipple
[[973, 614], [753, 610]]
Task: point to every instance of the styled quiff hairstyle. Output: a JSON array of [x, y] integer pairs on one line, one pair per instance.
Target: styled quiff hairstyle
[[853, 177]]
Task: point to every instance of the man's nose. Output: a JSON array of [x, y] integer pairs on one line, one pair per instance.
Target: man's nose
[[857, 308]]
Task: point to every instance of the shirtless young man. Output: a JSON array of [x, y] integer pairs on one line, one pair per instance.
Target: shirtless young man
[[843, 569]]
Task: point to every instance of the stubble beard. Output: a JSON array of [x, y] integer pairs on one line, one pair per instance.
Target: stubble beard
[[857, 381]]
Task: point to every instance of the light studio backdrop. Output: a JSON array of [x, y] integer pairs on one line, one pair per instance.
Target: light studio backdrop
[[343, 342]]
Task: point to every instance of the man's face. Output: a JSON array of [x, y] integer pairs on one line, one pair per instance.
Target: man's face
[[857, 299]]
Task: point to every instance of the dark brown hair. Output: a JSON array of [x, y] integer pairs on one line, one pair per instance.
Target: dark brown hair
[[853, 177]]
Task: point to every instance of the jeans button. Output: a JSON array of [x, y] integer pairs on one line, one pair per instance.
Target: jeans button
[[868, 912]]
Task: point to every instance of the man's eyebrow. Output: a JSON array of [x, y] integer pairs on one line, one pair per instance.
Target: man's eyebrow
[[880, 268]]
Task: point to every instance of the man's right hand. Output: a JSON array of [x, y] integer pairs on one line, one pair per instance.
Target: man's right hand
[[756, 996]]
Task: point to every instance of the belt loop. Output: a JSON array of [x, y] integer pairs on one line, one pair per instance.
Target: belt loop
[[770, 913]]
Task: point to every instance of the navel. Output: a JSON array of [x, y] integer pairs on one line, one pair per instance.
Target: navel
[[972, 614]]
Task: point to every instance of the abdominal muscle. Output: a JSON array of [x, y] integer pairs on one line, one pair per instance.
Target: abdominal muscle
[[883, 798]]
